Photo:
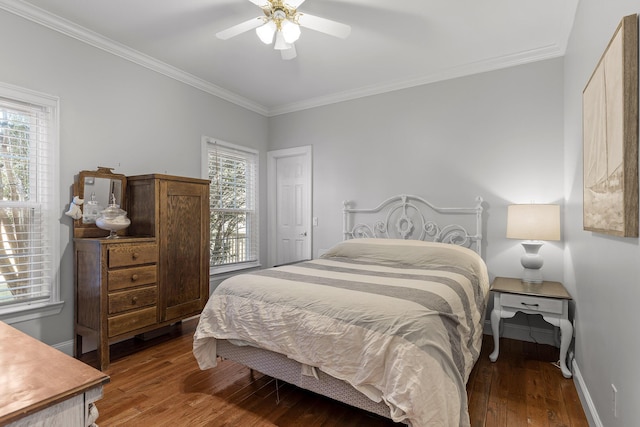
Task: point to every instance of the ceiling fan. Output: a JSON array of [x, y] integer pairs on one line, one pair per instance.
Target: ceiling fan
[[282, 20]]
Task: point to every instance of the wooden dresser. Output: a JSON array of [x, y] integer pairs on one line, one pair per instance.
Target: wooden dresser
[[42, 386], [116, 290], [155, 276]]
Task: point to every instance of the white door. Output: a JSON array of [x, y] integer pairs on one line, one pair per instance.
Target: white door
[[289, 204]]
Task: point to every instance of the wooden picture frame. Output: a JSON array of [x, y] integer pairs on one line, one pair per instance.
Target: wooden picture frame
[[610, 137]]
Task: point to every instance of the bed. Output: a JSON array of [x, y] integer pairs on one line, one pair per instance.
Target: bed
[[389, 320]]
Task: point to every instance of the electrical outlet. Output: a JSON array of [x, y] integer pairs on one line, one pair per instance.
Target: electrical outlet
[[315, 221], [614, 402]]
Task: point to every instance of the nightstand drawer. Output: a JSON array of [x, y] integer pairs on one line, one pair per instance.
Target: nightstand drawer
[[525, 302]]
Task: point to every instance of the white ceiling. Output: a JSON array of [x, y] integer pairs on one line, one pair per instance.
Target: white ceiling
[[393, 44]]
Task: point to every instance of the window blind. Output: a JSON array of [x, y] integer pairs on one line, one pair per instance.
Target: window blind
[[233, 172], [26, 199]]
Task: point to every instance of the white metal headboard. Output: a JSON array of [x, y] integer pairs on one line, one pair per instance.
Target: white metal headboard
[[407, 217]]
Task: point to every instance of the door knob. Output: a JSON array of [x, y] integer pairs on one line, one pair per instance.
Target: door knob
[[304, 234]]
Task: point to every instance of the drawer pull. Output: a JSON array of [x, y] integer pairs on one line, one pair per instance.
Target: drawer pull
[[530, 305], [134, 255], [135, 277], [134, 300]]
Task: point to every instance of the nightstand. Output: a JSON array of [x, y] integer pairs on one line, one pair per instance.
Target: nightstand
[[550, 299]]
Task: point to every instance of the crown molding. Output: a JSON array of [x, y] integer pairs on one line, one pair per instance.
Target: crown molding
[[94, 39], [70, 29], [506, 61]]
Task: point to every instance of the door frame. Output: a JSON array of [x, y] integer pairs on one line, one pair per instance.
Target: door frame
[[272, 158]]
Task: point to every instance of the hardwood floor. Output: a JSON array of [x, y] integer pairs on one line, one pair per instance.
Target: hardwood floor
[[158, 383]]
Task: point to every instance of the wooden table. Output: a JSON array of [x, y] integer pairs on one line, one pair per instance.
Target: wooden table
[[43, 386]]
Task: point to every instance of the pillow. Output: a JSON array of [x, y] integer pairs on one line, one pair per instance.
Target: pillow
[[416, 253]]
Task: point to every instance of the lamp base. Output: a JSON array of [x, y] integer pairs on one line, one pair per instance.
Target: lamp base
[[532, 261], [531, 275]]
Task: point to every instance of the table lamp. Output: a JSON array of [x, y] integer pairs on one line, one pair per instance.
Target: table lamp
[[534, 224]]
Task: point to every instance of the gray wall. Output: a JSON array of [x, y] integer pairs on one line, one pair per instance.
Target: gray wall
[[603, 270], [497, 135], [114, 113]]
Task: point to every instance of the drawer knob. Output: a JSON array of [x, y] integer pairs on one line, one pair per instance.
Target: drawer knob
[[134, 277], [134, 300], [135, 255]]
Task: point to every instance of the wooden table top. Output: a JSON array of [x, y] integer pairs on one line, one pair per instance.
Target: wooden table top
[[545, 289], [34, 375]]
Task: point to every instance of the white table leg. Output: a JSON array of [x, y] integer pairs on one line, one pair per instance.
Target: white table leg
[[495, 328], [566, 333]]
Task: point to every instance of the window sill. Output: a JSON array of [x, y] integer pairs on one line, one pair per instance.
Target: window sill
[[225, 269], [24, 313]]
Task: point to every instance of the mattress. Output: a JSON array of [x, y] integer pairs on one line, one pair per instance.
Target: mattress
[[400, 321]]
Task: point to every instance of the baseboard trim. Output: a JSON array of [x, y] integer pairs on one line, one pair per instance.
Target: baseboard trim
[[585, 398]]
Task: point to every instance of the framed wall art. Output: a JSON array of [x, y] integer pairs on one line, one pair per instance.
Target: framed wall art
[[610, 137]]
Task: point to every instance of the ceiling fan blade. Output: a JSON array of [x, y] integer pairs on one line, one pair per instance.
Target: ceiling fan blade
[[294, 4], [288, 54], [240, 28], [260, 3], [323, 25]]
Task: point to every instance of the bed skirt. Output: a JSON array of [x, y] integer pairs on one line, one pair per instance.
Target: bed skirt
[[288, 370]]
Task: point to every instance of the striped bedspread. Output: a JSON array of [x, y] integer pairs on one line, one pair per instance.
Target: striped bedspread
[[399, 320]]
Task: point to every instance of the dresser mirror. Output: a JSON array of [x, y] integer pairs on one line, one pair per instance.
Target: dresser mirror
[[97, 189]]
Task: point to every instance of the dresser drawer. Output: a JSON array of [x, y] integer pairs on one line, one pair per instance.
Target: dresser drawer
[[131, 321], [131, 277], [125, 255], [129, 300], [525, 302]]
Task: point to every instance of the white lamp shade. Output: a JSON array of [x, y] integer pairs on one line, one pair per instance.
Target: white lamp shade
[[290, 31], [533, 222], [265, 33], [281, 44]]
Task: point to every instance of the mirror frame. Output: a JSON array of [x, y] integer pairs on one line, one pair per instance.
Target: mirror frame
[[80, 229]]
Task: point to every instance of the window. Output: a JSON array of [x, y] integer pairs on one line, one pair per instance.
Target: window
[[29, 259], [233, 171]]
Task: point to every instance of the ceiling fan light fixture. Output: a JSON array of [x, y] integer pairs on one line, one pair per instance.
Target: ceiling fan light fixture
[[281, 44], [290, 31], [288, 54], [266, 32], [283, 22]]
